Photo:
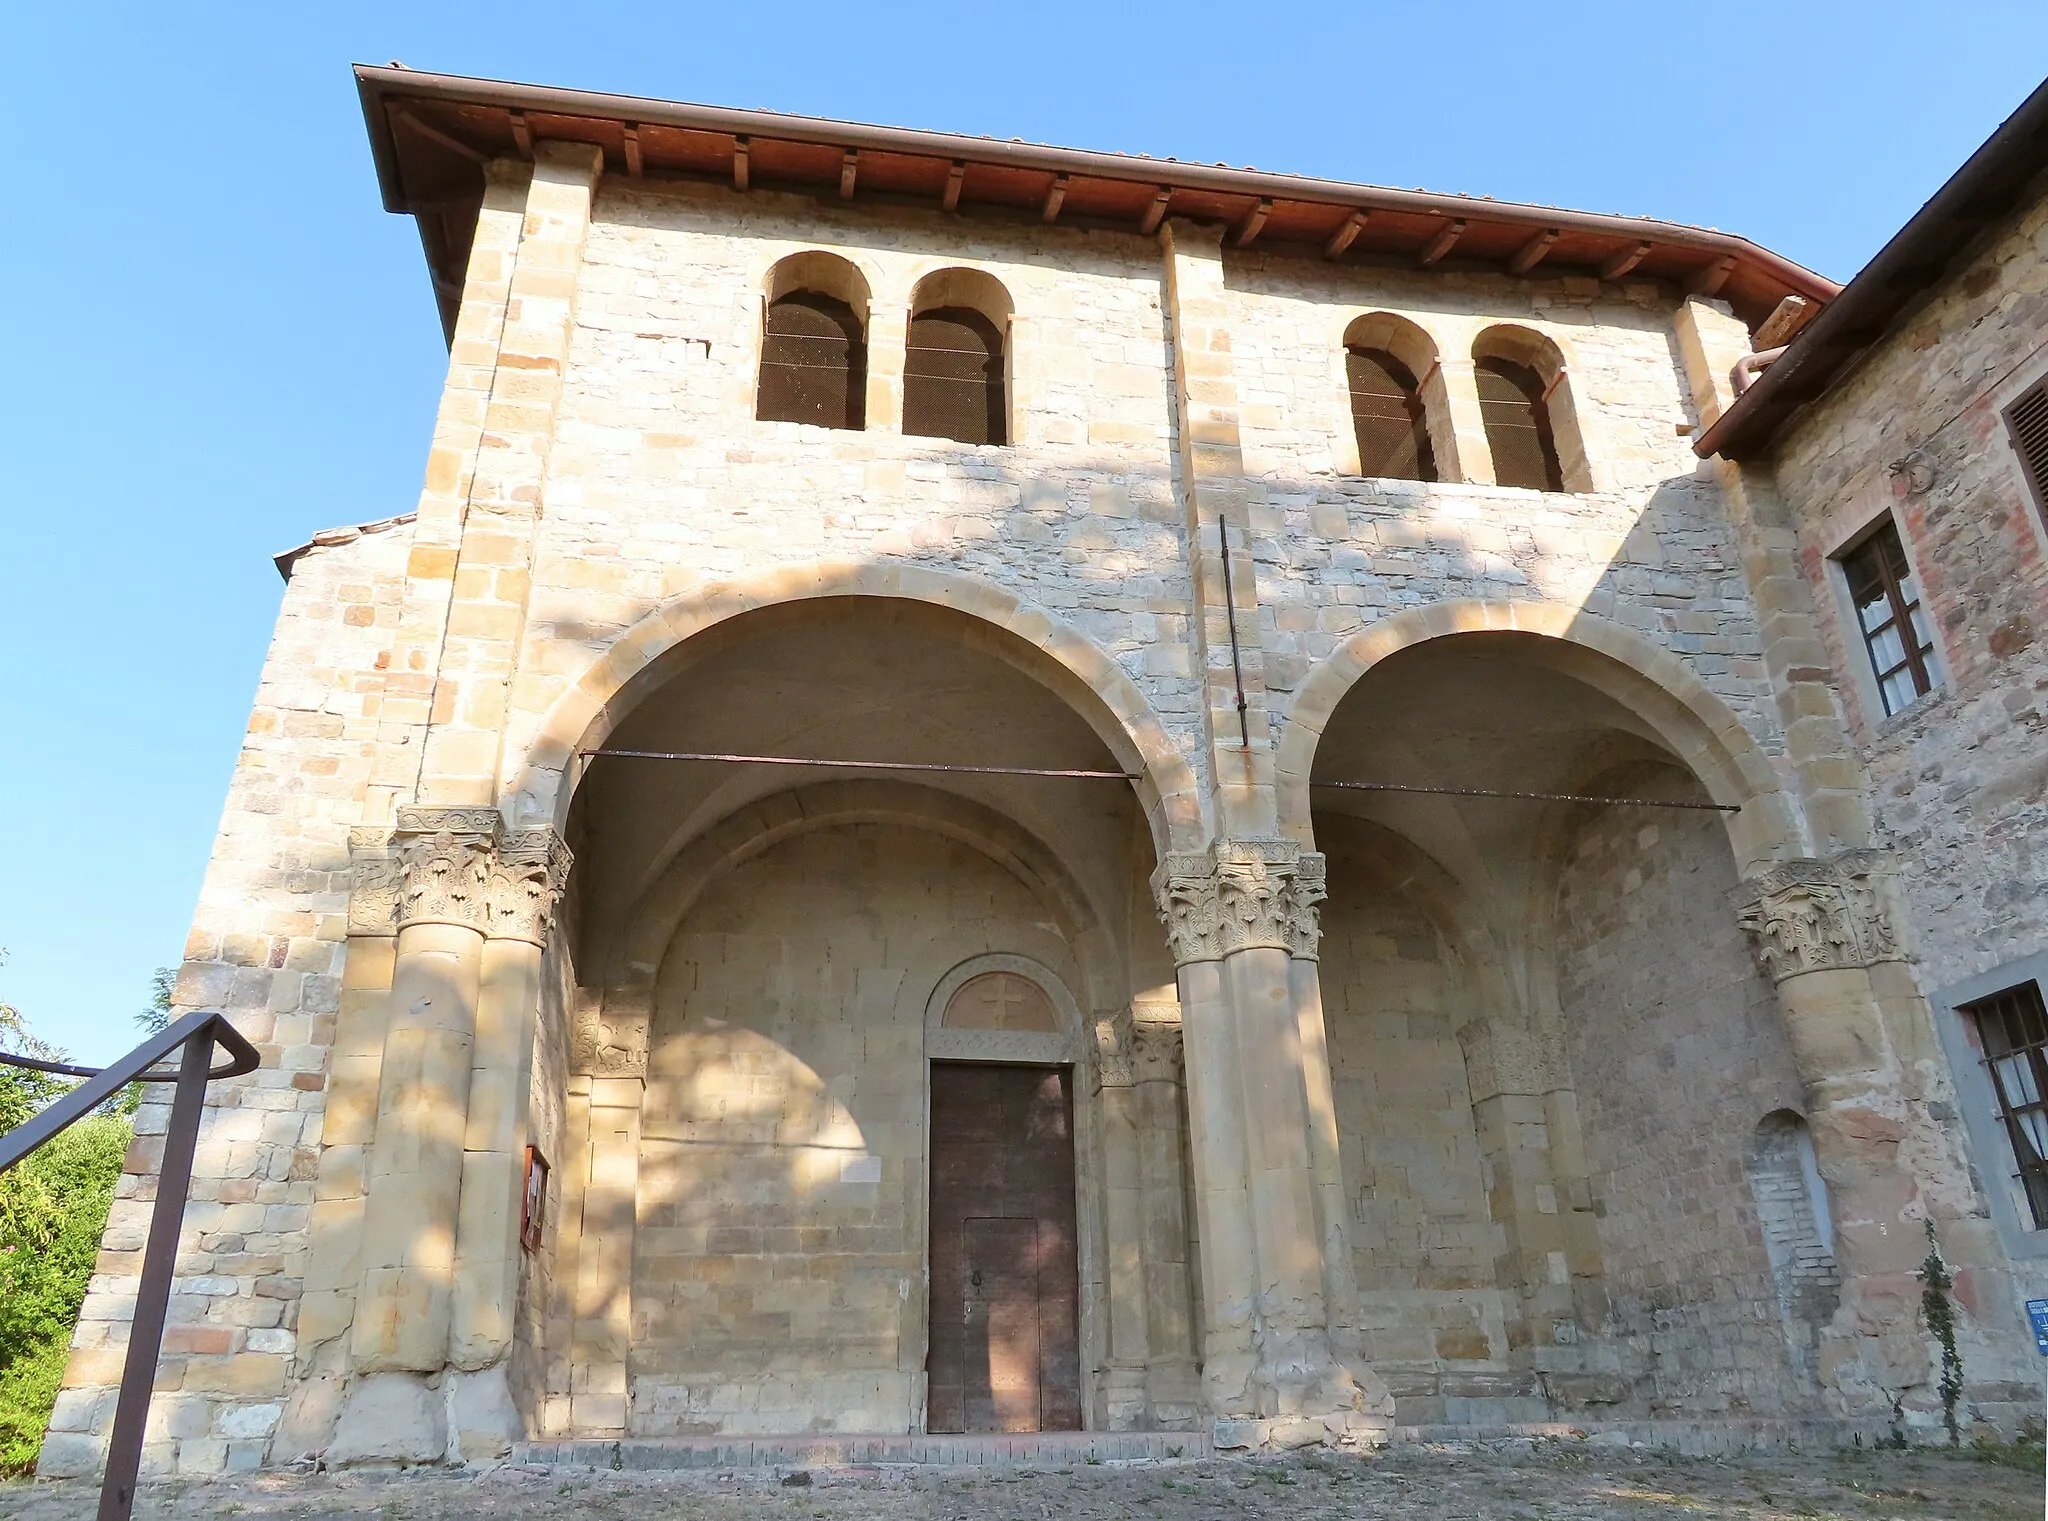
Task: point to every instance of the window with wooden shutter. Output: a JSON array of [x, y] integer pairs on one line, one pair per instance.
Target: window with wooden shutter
[[814, 363], [2028, 420], [1886, 596], [1513, 407], [953, 377], [1387, 416], [2012, 1029]]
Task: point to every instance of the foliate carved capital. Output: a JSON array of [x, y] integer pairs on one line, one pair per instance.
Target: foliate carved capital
[[1816, 916], [1155, 1053], [373, 881], [1240, 895], [527, 879], [446, 857]]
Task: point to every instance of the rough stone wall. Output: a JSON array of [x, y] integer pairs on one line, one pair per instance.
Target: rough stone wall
[[1791, 1206], [1676, 1051], [1651, 548], [779, 1275], [1959, 781], [662, 481], [1421, 1235], [266, 949]]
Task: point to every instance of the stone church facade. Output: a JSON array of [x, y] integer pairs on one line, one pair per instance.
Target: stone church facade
[[1365, 901]]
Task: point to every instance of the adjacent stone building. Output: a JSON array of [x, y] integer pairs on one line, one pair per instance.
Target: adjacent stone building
[[1356, 889]]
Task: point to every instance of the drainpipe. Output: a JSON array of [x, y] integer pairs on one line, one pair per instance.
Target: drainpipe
[[1747, 367]]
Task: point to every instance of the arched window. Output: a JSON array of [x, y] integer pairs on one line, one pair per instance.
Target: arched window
[[1388, 418], [1517, 417], [955, 370], [953, 377], [1396, 394], [1525, 401], [814, 352]]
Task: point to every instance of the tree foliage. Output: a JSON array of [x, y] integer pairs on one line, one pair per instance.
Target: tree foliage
[[53, 1210]]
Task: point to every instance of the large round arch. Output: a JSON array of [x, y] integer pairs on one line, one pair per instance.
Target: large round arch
[[1700, 729], [1028, 638]]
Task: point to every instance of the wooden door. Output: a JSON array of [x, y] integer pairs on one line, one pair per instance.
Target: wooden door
[[1005, 1277]]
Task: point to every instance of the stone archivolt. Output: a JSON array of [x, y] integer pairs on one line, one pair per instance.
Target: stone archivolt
[[1816, 916], [1240, 895], [453, 866]]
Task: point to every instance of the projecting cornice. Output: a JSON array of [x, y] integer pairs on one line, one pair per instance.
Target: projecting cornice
[[432, 134]]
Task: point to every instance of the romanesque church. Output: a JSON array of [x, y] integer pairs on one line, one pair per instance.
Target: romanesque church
[[997, 790]]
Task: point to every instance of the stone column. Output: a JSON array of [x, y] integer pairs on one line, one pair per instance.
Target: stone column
[[1825, 935], [1122, 1284], [1272, 1377], [1473, 454], [527, 879], [405, 1298]]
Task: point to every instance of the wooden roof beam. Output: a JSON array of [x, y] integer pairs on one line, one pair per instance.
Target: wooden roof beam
[[741, 173], [955, 178], [1531, 253], [1443, 242], [1708, 281], [1156, 212], [521, 136], [849, 172], [1055, 198], [1345, 235], [635, 165], [435, 135], [1254, 220], [1615, 265]]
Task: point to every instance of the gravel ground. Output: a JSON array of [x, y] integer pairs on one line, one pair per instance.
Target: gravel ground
[[1540, 1482]]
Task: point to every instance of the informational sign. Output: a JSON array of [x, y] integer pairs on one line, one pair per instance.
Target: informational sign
[[2037, 1316]]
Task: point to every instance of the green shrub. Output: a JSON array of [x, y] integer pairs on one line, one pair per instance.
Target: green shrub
[[53, 1209]]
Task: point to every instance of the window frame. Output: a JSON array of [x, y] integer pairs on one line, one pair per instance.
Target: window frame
[[1859, 657], [2035, 491], [1990, 1146], [2030, 1178]]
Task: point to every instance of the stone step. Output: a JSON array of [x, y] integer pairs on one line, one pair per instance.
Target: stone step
[[1055, 1449]]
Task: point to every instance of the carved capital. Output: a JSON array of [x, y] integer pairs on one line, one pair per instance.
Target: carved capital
[[527, 878], [609, 1042], [1240, 895], [373, 882], [446, 856], [1155, 1053], [1816, 916]]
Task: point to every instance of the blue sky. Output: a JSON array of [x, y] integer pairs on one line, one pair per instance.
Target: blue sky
[[217, 343]]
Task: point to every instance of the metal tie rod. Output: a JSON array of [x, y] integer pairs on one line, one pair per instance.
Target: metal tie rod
[[1127, 776], [1540, 797]]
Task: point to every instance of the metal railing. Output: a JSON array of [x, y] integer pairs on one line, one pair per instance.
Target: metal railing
[[198, 1034]]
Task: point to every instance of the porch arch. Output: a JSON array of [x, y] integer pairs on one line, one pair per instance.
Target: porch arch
[[1700, 729], [1038, 645]]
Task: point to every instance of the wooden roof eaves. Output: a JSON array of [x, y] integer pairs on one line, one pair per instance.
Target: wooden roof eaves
[[379, 86]]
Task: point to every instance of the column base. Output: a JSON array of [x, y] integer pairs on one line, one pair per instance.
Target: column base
[[391, 1419]]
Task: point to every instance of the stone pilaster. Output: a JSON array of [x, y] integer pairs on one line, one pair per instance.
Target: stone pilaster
[[1826, 934], [527, 878], [1241, 920], [1211, 465]]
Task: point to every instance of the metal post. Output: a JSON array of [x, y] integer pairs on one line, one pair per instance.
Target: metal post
[[152, 1297]]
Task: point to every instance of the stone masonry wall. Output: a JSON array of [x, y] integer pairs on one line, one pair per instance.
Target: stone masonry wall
[[1959, 781], [779, 1276], [265, 948], [1421, 1234], [1677, 1052]]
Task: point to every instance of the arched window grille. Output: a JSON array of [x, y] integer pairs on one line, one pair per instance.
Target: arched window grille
[[814, 362], [953, 377], [1516, 411], [1388, 417]]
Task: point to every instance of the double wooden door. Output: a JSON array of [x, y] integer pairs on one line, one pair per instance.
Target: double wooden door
[[1005, 1276]]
